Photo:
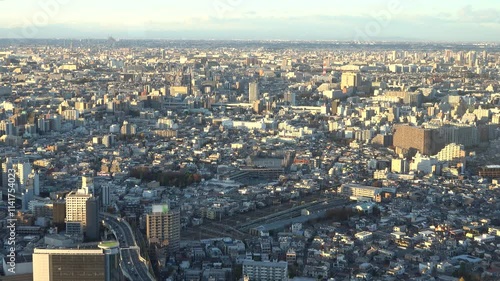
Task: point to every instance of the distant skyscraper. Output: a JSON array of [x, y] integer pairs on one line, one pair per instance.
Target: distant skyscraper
[[350, 79], [290, 97], [8, 164], [163, 227], [335, 105], [394, 55], [257, 106], [24, 170], [108, 140], [471, 57], [33, 183], [26, 177], [128, 129], [253, 92], [6, 128], [448, 54], [105, 194], [102, 264]]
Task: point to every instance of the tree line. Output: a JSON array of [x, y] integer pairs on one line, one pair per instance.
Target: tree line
[[181, 178]]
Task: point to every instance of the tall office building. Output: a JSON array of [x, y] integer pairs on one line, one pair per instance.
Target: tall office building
[[105, 194], [55, 122], [88, 183], [59, 213], [26, 177], [260, 271], [34, 181], [6, 128], [108, 140], [448, 54], [253, 92], [163, 227], [350, 79], [399, 166], [471, 58], [24, 170], [290, 98], [102, 264], [92, 222], [76, 212], [128, 129], [335, 105], [6, 165], [394, 55], [82, 214]]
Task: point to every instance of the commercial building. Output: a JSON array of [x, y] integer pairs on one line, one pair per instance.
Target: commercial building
[[88, 183], [350, 79], [59, 212], [102, 264], [128, 129], [82, 214], [253, 92], [367, 192], [105, 194], [399, 166], [92, 225]]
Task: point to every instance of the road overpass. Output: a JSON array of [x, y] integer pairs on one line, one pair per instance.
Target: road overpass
[[134, 266]]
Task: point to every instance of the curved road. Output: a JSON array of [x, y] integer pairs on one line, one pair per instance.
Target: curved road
[[133, 265]]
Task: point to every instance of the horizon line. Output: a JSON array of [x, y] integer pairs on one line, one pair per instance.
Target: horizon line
[[375, 41]]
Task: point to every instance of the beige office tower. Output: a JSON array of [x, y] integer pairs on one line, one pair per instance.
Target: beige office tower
[[76, 211], [24, 170], [101, 264], [163, 227], [128, 129], [350, 79], [88, 183]]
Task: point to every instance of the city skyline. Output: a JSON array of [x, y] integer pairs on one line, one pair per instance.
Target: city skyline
[[240, 160], [384, 20]]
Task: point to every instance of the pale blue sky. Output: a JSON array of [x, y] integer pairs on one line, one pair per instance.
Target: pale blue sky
[[443, 20]]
